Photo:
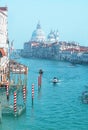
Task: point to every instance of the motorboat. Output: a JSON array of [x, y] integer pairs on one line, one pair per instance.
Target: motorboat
[[55, 80]]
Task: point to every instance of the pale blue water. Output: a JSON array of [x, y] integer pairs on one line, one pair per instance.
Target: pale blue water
[[56, 107]]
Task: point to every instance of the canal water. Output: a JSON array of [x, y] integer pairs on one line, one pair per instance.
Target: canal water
[[55, 107]]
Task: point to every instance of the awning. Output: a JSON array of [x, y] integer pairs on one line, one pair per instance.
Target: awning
[[2, 52]]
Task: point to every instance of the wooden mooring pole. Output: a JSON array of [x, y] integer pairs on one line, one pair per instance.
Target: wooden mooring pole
[[39, 80]]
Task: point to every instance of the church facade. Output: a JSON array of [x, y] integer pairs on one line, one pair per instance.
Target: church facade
[[38, 38]]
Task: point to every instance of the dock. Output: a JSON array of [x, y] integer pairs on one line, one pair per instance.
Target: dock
[[13, 91]]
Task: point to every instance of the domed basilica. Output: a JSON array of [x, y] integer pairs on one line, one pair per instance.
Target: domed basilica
[[38, 35]]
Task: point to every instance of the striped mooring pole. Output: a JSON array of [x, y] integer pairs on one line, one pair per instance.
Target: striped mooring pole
[[32, 91], [15, 103], [24, 93], [32, 94], [7, 91]]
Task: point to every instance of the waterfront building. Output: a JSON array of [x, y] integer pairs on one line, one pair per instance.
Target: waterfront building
[[80, 56], [84, 57], [4, 45], [51, 48]]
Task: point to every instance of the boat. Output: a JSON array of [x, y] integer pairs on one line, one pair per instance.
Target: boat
[[55, 80], [85, 97]]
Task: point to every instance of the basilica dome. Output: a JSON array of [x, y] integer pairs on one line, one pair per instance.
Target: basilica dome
[[38, 34]]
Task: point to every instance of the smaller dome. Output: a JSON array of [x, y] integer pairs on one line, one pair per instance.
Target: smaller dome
[[51, 36]]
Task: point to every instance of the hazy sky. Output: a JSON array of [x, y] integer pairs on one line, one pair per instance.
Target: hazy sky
[[70, 17]]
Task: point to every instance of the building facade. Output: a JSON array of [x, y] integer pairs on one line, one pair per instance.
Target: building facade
[[4, 45]]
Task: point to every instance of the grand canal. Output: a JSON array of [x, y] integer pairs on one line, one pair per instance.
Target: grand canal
[[55, 107]]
